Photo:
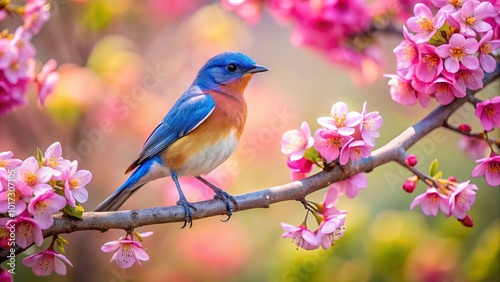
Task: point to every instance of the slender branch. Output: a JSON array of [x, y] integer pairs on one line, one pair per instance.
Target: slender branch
[[395, 150]]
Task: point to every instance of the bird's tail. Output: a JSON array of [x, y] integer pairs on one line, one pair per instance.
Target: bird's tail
[[135, 181], [116, 200]]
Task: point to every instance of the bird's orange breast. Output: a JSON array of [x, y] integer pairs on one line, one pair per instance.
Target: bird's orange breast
[[213, 141]]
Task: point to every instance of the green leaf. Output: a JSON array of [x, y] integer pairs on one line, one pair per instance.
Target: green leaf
[[73, 211], [60, 242], [438, 175], [60, 246], [39, 155], [138, 235], [312, 155], [434, 169], [442, 35], [80, 208]]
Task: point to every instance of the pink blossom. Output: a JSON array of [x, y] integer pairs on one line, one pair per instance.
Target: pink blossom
[[47, 80], [52, 158], [490, 168], [474, 148], [406, 52], [372, 121], [43, 205], [444, 91], [429, 65], [7, 53], [329, 26], [462, 199], [355, 151], [471, 16], [11, 96], [34, 176], [36, 14], [328, 143], [22, 41], [303, 237], [295, 142], [488, 112], [27, 232], [16, 70], [459, 52], [5, 275], [74, 186], [424, 23], [350, 186], [403, 92], [249, 10], [486, 47], [128, 251], [47, 261], [471, 79], [431, 202], [330, 230], [449, 6], [299, 168], [327, 207], [341, 120], [351, 16], [19, 197], [7, 162], [3, 179]]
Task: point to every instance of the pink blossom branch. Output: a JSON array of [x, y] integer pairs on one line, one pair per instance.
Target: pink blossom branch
[[395, 151]]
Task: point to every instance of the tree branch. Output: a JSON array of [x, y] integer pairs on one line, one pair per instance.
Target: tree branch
[[395, 151]]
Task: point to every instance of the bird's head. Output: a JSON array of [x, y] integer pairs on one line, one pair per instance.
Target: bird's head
[[229, 72]]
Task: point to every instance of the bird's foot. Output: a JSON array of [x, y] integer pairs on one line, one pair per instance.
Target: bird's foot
[[188, 214], [227, 199]]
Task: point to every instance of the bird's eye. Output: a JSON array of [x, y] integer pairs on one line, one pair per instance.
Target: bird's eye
[[231, 67]]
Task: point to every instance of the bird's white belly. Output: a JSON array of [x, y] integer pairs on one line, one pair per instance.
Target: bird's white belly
[[210, 157]]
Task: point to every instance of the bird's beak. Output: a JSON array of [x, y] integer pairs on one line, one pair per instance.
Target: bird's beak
[[257, 68]]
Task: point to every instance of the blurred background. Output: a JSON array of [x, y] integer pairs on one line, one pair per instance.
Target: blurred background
[[123, 64]]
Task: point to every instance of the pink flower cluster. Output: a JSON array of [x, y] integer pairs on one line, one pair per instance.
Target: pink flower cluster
[[31, 191], [345, 136], [17, 58], [331, 226], [456, 199], [331, 221], [448, 52], [338, 29]]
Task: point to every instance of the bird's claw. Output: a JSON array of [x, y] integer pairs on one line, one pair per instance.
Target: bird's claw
[[188, 214], [226, 198]]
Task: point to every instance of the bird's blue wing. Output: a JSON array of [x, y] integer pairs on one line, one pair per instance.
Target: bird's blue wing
[[188, 112]]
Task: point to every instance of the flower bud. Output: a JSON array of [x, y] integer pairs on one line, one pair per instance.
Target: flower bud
[[409, 185], [467, 221], [411, 160], [452, 179], [464, 127]]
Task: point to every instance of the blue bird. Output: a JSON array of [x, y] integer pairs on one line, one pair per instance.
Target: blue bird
[[200, 132]]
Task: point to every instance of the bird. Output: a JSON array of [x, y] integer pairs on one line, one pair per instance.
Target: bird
[[199, 132]]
